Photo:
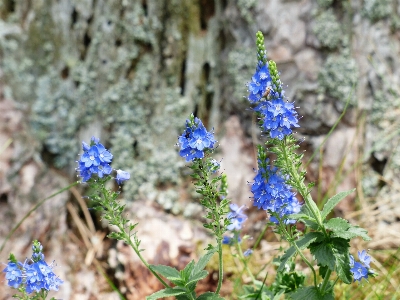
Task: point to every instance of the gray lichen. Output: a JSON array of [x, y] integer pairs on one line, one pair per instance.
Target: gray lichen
[[327, 29], [376, 9], [338, 78]]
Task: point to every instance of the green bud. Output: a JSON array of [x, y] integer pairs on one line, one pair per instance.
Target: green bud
[[261, 52], [276, 81]]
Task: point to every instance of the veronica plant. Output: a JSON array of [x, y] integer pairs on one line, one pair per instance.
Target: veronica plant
[[274, 191], [33, 278]]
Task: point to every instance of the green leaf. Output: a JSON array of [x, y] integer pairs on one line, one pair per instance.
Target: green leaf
[[337, 224], [311, 224], [341, 252], [323, 253], [310, 293], [332, 202], [302, 244], [209, 296], [201, 264], [166, 271], [198, 276], [187, 271], [352, 232], [167, 293]]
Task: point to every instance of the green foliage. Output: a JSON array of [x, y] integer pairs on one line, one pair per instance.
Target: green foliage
[[332, 202], [310, 293], [261, 52], [185, 280]]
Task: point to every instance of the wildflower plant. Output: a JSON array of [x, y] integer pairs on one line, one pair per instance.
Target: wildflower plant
[[327, 239], [33, 278], [278, 189]]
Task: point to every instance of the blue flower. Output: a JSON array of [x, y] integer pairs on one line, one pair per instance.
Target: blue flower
[[227, 240], [248, 252], [360, 269], [14, 274], [236, 216], [122, 176], [278, 117], [271, 193], [94, 160], [194, 140], [260, 83], [35, 274]]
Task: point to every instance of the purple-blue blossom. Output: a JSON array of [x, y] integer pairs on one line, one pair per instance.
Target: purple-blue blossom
[[94, 160], [272, 193], [34, 275], [360, 269], [195, 140], [122, 176]]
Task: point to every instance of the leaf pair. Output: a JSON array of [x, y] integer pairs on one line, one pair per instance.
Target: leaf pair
[[185, 280]]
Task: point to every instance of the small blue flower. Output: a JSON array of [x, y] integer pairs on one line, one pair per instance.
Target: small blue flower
[[194, 140], [94, 160], [14, 274], [271, 193], [248, 252], [260, 82], [360, 269], [227, 240], [365, 259], [122, 176]]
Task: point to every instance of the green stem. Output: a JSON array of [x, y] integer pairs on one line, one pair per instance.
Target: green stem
[[32, 210], [325, 282], [221, 266], [301, 187], [293, 243], [127, 237], [260, 236], [244, 261]]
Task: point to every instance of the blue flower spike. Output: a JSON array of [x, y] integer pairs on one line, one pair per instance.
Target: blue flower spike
[[34, 275], [195, 140]]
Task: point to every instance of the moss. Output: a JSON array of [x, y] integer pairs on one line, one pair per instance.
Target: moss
[[327, 29], [375, 10], [338, 78]]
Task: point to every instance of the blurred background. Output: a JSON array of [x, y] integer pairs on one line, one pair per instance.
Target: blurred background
[[131, 71]]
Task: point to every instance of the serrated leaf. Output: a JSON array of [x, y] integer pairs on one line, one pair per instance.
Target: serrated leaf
[[332, 202], [302, 244], [166, 271], [311, 224], [166, 293], [201, 264], [299, 216], [310, 293], [209, 296], [185, 273], [198, 276], [337, 224], [323, 253], [341, 252], [352, 232]]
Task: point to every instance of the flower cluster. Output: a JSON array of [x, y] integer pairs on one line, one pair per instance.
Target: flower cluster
[[195, 139], [33, 275], [96, 160], [265, 90], [272, 193], [360, 269]]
